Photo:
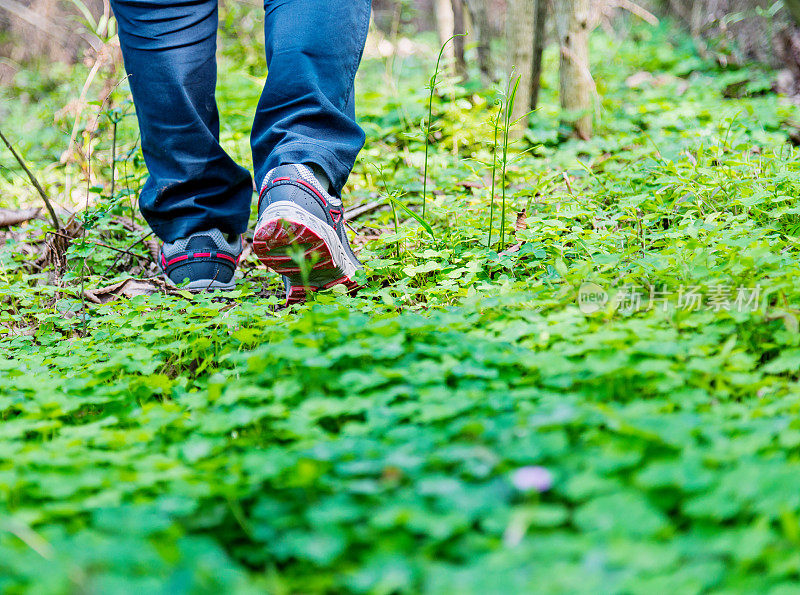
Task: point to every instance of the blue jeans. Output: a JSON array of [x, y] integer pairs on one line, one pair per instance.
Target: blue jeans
[[306, 113]]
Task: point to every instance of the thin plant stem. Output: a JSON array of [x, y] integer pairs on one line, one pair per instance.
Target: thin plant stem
[[510, 95], [400, 246], [114, 158], [102, 110], [306, 265], [389, 195], [84, 311], [34, 181], [432, 88], [494, 174]]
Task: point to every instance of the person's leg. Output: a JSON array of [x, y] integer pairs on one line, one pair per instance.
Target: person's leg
[[306, 113], [169, 51]]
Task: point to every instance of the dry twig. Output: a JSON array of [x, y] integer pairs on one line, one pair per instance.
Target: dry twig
[[34, 181], [152, 245]]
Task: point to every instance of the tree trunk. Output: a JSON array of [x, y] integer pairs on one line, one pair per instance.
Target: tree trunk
[[479, 15], [445, 23], [458, 42], [539, 32], [519, 28], [573, 23], [747, 23]]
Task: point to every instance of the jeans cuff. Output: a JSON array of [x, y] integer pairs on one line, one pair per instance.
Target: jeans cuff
[[309, 152]]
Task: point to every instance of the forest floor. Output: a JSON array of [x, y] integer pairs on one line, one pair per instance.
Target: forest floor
[[463, 425]]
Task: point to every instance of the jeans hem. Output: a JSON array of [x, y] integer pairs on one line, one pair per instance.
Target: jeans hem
[[310, 152], [169, 231]]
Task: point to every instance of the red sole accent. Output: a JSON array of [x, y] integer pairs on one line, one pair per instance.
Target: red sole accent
[[298, 294], [270, 244]]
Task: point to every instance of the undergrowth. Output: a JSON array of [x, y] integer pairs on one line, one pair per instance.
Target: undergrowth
[[381, 443]]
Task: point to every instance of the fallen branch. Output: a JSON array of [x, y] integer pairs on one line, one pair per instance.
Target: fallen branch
[[9, 217], [356, 212], [635, 9], [34, 181]]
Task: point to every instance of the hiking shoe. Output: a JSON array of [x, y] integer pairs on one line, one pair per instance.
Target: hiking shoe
[[206, 259], [296, 216]]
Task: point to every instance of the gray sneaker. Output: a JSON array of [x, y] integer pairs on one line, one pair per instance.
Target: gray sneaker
[[206, 259], [295, 213]]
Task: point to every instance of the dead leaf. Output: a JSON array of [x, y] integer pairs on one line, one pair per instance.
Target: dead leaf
[[128, 288], [511, 249], [470, 184], [522, 222], [9, 217]]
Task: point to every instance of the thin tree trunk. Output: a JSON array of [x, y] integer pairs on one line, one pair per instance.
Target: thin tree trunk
[[480, 21], [697, 17], [573, 23], [458, 42], [539, 32], [445, 23], [519, 25]]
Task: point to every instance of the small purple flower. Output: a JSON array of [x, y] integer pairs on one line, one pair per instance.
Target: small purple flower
[[526, 479]]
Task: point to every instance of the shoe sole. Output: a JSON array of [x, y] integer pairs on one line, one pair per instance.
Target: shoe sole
[[209, 285], [284, 227], [202, 285]]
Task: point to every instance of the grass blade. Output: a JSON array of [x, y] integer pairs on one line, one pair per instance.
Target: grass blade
[[411, 213]]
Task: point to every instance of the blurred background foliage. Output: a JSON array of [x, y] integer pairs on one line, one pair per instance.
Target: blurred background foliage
[[41, 41], [391, 453]]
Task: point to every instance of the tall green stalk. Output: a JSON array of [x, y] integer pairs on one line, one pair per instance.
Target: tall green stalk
[[432, 89], [494, 172], [391, 197], [400, 247], [510, 96]]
